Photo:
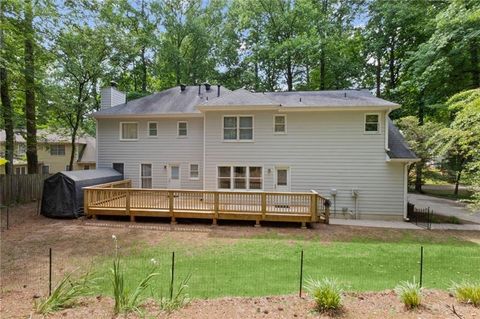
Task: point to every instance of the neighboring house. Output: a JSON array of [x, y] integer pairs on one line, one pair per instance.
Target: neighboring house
[[341, 144], [53, 150]]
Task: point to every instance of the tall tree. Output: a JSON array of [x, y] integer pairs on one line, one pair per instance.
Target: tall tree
[[29, 73], [7, 108]]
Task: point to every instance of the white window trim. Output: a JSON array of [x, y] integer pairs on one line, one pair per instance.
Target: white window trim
[[238, 140], [379, 127], [274, 123], [190, 172], [57, 145], [120, 132], [148, 129], [178, 129], [140, 173], [232, 189]]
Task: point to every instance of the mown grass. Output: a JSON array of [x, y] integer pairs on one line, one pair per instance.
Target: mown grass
[[259, 266]]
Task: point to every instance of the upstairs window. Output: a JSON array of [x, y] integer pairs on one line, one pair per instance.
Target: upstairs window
[[372, 123], [280, 124], [182, 128], [128, 131], [152, 129], [57, 150], [238, 128]]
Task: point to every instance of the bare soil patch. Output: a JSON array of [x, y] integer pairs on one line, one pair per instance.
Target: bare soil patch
[[75, 243]]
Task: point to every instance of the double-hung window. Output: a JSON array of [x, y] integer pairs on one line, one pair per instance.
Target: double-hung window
[[194, 171], [128, 131], [152, 129], [146, 175], [57, 150], [182, 128], [238, 128], [280, 124], [372, 123], [240, 177]]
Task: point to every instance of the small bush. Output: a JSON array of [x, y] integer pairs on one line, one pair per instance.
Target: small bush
[[178, 300], [467, 292], [126, 300], [327, 293], [66, 293], [410, 293]]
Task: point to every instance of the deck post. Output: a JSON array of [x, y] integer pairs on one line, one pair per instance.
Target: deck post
[[264, 205], [257, 223], [304, 225], [215, 207], [327, 214], [85, 202], [170, 207], [127, 205]]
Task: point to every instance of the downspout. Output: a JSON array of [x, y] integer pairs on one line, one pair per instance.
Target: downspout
[[405, 191], [386, 129]]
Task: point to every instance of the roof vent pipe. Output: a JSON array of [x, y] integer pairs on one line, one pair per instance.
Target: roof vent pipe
[[345, 94], [218, 90], [182, 87], [199, 87], [207, 86]]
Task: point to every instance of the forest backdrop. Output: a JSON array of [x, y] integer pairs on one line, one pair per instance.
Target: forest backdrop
[[423, 54]]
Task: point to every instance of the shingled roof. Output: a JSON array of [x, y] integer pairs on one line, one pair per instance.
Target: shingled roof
[[170, 101], [399, 149]]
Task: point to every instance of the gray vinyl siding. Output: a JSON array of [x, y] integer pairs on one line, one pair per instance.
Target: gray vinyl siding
[[159, 151], [323, 150]]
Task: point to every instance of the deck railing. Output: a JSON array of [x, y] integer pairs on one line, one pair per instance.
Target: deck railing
[[119, 198]]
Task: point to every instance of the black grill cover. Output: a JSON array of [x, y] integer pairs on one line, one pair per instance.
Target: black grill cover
[[62, 192]]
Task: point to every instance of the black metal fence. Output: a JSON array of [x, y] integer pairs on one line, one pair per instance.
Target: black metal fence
[[420, 216]]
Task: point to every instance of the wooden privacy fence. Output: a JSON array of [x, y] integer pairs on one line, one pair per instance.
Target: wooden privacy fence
[[21, 188], [120, 199]]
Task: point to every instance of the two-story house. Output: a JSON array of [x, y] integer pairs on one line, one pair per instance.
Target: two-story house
[[341, 144], [53, 151]]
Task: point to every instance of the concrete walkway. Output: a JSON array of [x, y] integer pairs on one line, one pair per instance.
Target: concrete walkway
[[445, 207], [399, 225]]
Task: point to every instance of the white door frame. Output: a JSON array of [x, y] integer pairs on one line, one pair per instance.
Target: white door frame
[[175, 183], [282, 188]]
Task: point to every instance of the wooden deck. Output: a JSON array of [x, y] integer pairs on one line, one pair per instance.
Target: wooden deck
[[119, 199]]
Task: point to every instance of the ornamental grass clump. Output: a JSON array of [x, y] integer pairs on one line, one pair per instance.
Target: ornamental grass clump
[[467, 292], [128, 300], [410, 293], [67, 293], [327, 293], [178, 299]]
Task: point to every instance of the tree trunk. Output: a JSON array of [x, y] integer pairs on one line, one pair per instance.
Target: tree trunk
[[144, 71], [421, 109], [322, 69], [475, 64], [418, 177], [289, 75], [457, 182], [30, 113], [72, 141], [391, 65], [378, 78]]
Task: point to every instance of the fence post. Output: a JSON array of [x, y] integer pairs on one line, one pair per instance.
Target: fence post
[[301, 274], [50, 272], [173, 275], [421, 266]]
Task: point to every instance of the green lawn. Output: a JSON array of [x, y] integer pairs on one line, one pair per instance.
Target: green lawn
[[271, 266]]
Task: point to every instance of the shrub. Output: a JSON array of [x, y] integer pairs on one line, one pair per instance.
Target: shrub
[[410, 293], [467, 292], [126, 300], [66, 293], [178, 300], [327, 293]]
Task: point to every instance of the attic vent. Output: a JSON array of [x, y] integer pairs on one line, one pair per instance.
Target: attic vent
[[207, 86], [182, 87]]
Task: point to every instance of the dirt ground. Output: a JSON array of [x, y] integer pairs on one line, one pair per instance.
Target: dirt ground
[[75, 243]]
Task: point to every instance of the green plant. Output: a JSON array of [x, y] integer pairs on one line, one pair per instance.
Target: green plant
[[66, 293], [178, 300], [467, 292], [327, 293], [128, 300], [410, 293]]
